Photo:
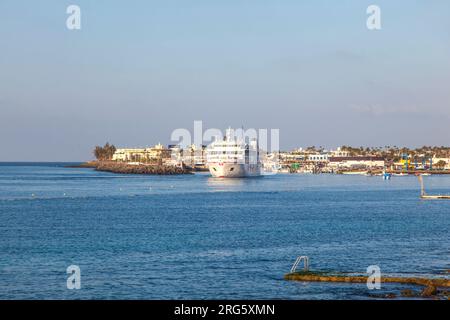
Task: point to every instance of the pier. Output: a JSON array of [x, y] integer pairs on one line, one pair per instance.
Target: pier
[[424, 195], [141, 168]]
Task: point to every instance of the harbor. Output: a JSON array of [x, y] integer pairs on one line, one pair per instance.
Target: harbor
[[343, 160], [215, 238]]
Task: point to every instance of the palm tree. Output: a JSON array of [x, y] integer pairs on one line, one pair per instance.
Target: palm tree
[[441, 164]]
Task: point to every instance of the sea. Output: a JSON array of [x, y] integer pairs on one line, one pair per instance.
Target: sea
[[198, 237]]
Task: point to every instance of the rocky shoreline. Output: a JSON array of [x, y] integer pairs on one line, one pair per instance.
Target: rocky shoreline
[[125, 168], [89, 164], [436, 288]]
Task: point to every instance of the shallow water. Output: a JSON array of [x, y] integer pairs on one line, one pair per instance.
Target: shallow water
[[195, 237]]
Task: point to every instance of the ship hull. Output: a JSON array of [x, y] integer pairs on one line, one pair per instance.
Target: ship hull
[[234, 170]]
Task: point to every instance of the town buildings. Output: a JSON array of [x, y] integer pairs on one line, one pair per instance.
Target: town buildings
[[172, 155], [298, 160], [150, 154], [357, 162]]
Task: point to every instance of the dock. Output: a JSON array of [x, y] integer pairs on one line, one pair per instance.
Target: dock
[[424, 195], [435, 197]]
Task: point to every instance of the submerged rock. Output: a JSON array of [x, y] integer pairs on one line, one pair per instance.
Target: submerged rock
[[409, 293], [429, 291]]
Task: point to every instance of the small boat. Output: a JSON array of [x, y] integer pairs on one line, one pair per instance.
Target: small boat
[[386, 175], [355, 172]]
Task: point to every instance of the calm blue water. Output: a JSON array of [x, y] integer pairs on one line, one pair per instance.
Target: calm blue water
[[194, 237]]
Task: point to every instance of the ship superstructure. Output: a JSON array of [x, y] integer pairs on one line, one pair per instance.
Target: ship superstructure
[[232, 157]]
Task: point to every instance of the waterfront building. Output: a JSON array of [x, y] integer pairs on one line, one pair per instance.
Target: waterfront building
[[339, 153], [291, 157], [437, 161], [318, 157], [369, 162], [155, 153], [176, 152], [194, 155]]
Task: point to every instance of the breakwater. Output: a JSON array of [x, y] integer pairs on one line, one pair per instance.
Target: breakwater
[[125, 168], [432, 286]]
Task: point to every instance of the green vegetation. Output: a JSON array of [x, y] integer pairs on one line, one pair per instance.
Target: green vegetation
[[104, 153], [441, 164], [395, 153]]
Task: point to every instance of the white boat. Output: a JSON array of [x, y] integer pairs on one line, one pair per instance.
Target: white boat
[[283, 170], [269, 167], [355, 172], [232, 157]]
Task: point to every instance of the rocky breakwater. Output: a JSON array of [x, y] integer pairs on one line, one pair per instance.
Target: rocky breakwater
[[436, 288], [126, 168]]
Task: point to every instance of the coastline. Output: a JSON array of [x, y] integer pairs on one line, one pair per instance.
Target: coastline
[[157, 169], [88, 164]]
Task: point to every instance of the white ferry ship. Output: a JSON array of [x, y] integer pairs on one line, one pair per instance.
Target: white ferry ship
[[231, 157]]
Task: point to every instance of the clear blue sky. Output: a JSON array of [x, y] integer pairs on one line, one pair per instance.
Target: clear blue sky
[[139, 69]]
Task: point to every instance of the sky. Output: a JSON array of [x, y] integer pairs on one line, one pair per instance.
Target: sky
[[138, 70]]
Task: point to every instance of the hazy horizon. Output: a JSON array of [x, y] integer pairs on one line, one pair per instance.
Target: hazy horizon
[[137, 71]]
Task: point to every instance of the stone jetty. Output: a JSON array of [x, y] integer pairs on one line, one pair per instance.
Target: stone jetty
[[432, 287], [126, 168]]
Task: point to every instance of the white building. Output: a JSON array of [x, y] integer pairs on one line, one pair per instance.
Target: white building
[[437, 160], [141, 154], [194, 155], [321, 157], [339, 153], [358, 161]]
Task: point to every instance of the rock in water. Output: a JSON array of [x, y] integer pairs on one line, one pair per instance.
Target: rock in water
[[408, 293], [429, 291]]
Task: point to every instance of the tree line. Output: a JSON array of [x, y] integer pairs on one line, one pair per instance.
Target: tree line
[[395, 153], [104, 153]]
